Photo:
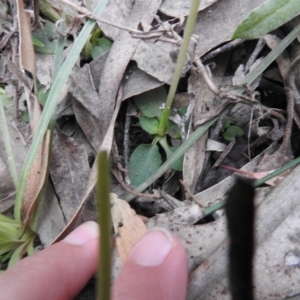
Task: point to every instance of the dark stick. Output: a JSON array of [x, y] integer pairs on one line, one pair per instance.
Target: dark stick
[[240, 218]]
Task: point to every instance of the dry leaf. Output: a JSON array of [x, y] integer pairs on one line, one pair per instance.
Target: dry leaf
[[69, 172], [179, 8], [105, 146], [26, 51], [35, 180], [128, 226]]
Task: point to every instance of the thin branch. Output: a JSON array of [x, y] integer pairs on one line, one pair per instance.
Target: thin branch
[[88, 14]]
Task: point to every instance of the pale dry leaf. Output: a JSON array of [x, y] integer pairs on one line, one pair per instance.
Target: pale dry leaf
[[26, 51], [36, 179], [134, 82], [179, 8], [216, 24], [105, 146], [44, 66], [283, 60], [213, 145], [119, 56], [193, 161], [20, 151], [128, 226], [51, 219], [7, 202], [205, 109], [69, 170], [86, 106]]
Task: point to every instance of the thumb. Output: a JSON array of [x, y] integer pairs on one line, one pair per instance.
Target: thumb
[[155, 269]]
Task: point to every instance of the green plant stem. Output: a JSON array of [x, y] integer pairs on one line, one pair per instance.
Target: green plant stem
[[176, 155], [188, 31], [103, 201], [7, 144], [256, 183], [51, 103]]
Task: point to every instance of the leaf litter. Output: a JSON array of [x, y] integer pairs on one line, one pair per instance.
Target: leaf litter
[[92, 113]]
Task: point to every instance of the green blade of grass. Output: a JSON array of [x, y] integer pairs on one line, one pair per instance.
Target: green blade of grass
[[188, 31], [51, 103], [103, 201]]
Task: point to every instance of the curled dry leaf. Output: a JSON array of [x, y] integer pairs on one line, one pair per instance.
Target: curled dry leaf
[[128, 226]]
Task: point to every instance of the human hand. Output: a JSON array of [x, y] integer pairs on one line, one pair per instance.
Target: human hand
[[155, 269]]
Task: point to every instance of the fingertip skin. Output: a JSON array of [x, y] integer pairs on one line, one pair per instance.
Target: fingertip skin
[[165, 281], [58, 272]]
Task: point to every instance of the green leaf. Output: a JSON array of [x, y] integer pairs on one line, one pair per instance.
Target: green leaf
[[103, 45], [47, 37], [149, 124], [177, 165], [18, 254], [37, 42], [180, 151], [226, 124], [232, 131], [266, 17], [152, 103], [144, 161], [173, 130]]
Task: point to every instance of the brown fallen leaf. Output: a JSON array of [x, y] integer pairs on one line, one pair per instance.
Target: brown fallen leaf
[[128, 226], [26, 51]]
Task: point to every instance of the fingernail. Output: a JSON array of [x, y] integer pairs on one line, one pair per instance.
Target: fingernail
[[83, 234], [153, 248]]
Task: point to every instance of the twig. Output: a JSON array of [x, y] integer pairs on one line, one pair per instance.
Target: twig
[[129, 190], [88, 14], [259, 46], [290, 94], [188, 192], [231, 95], [224, 153], [222, 49]]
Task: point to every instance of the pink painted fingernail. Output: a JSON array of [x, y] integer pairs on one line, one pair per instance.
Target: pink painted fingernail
[[153, 248], [83, 234]]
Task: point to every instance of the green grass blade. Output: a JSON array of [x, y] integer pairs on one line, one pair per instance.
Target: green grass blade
[[104, 217], [188, 31], [51, 102]]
